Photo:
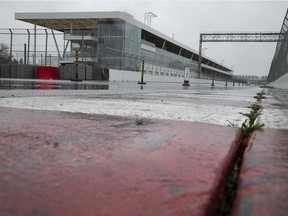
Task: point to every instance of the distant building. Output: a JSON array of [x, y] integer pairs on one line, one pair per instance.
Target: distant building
[[263, 80], [117, 42], [251, 79]]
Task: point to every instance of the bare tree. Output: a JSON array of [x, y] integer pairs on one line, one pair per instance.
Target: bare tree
[[4, 54]]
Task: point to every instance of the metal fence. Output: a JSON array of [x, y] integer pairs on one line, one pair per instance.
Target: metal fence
[[279, 65], [24, 50]]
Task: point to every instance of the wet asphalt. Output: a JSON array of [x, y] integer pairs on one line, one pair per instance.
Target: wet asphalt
[[107, 148], [196, 103]]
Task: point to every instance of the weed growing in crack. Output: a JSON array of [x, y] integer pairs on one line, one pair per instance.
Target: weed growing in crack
[[250, 125], [247, 127]]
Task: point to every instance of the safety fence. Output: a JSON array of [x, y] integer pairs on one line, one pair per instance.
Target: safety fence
[[26, 47], [279, 65]]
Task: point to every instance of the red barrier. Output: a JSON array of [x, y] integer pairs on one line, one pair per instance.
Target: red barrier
[[110, 165], [46, 72]]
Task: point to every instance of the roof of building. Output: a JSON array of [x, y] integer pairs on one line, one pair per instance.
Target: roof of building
[[62, 20]]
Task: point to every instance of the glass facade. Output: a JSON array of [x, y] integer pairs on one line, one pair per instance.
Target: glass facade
[[162, 62], [111, 45], [82, 40], [119, 47], [132, 47]]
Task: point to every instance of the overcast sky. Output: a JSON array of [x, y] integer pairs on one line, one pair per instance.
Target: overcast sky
[[185, 20]]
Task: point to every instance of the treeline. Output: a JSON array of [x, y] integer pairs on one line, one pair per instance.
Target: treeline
[[5, 57]]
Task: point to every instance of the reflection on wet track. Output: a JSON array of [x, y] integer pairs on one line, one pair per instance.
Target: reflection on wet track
[[46, 85], [197, 103]]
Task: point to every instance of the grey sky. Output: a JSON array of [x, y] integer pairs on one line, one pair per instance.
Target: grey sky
[[184, 19]]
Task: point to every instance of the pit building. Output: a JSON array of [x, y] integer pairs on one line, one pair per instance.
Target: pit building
[[115, 44]]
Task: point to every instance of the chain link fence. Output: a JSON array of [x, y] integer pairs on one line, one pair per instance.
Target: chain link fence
[[279, 65]]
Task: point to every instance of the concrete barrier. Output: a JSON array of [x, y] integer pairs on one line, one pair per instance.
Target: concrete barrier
[[263, 184], [26, 71], [281, 82], [110, 165], [135, 76], [68, 72], [17, 71], [5, 71]]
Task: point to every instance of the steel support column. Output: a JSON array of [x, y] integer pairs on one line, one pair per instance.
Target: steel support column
[[55, 41], [82, 45], [200, 58], [163, 45], [65, 49], [71, 33], [192, 55], [35, 41], [28, 51], [11, 43], [46, 45], [25, 58]]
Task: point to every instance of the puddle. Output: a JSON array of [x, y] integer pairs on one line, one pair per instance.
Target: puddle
[[46, 85], [167, 101]]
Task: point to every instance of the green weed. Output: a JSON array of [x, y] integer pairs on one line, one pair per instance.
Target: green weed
[[250, 125]]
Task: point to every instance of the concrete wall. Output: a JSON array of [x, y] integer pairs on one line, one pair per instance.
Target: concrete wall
[[85, 72], [281, 83], [100, 74], [68, 72], [5, 71], [17, 71], [134, 76], [26, 71]]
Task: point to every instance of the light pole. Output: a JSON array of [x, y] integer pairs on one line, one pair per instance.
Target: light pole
[[145, 18], [148, 17], [152, 16]]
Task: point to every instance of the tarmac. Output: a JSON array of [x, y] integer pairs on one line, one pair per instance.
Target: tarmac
[[122, 149]]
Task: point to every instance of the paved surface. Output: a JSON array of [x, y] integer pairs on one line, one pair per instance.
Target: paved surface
[[57, 163], [122, 149], [263, 182], [169, 101], [263, 188]]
